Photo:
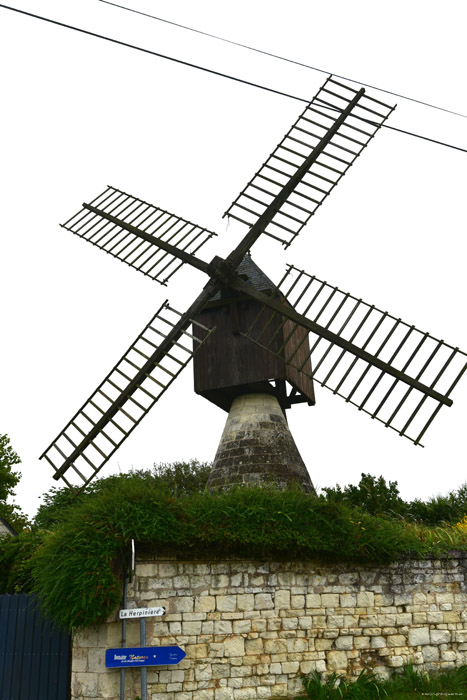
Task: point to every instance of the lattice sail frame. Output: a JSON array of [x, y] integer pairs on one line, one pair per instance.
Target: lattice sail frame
[[135, 406], [141, 255], [334, 160], [403, 408]]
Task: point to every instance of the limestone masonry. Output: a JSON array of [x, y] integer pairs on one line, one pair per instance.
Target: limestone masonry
[[249, 629]]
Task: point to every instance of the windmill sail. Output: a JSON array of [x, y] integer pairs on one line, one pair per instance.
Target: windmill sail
[[118, 405], [376, 383], [126, 246], [335, 128]]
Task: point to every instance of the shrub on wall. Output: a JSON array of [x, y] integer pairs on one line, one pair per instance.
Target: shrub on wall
[[77, 568], [76, 565]]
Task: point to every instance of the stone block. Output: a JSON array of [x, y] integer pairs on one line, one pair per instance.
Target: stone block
[[323, 644], [264, 601], [234, 646], [223, 627], [396, 640], [204, 603], [335, 621], [201, 694], [344, 642], [378, 642], [448, 656], [85, 684], [279, 690], [241, 626], [329, 600], [403, 619], [290, 667], [226, 603], [305, 623], [419, 636], [395, 661], [365, 599], [362, 642], [88, 637], [451, 617], [430, 654], [245, 693], [290, 623], [196, 651], [223, 694], [336, 660], [297, 646], [275, 646], [96, 660], [434, 617], [297, 602], [348, 600], [440, 636], [181, 582], [220, 581], [313, 600], [245, 602], [79, 661], [203, 672], [254, 646], [108, 685], [282, 600], [191, 628], [444, 597], [182, 604]]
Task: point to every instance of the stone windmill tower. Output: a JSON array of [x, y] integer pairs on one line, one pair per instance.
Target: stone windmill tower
[[258, 348]]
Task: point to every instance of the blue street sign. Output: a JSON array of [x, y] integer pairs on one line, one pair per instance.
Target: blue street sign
[[127, 657]]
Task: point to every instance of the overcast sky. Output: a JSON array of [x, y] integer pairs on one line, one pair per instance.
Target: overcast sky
[[79, 113]]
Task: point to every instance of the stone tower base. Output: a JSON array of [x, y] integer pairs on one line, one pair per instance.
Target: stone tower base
[[257, 447]]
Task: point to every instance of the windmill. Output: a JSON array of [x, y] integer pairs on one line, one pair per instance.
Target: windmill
[[254, 342]]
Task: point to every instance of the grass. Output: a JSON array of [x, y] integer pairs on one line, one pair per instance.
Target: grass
[[405, 685]]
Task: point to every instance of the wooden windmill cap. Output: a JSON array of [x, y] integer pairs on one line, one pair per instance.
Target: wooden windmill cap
[[257, 447], [252, 275]]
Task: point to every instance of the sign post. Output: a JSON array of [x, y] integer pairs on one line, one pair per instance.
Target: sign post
[[144, 671], [141, 656]]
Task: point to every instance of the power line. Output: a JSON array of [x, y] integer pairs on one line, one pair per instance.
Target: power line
[[207, 70], [282, 58]]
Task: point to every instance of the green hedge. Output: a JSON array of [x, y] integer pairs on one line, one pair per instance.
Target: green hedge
[[76, 567]]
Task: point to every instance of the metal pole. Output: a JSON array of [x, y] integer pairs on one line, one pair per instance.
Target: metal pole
[[144, 670], [122, 670]]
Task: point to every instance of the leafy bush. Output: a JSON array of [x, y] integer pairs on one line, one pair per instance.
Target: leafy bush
[[377, 497], [178, 478], [16, 561], [75, 562], [372, 494], [77, 566]]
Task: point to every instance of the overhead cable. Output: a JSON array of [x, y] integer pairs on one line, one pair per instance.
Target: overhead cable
[[206, 70], [282, 58]]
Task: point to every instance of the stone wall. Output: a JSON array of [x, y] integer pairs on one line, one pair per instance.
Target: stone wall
[[249, 629]]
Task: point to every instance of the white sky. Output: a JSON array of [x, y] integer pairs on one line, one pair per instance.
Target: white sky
[[79, 113]]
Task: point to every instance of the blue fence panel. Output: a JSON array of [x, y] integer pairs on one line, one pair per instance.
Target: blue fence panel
[[35, 654]]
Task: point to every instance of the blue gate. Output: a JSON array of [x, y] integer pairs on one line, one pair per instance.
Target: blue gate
[[34, 653]]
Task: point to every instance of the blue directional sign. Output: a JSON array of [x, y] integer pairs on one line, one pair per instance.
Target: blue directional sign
[[129, 657]]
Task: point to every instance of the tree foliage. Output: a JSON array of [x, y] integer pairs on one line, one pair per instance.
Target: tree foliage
[[8, 481], [8, 459], [377, 497]]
